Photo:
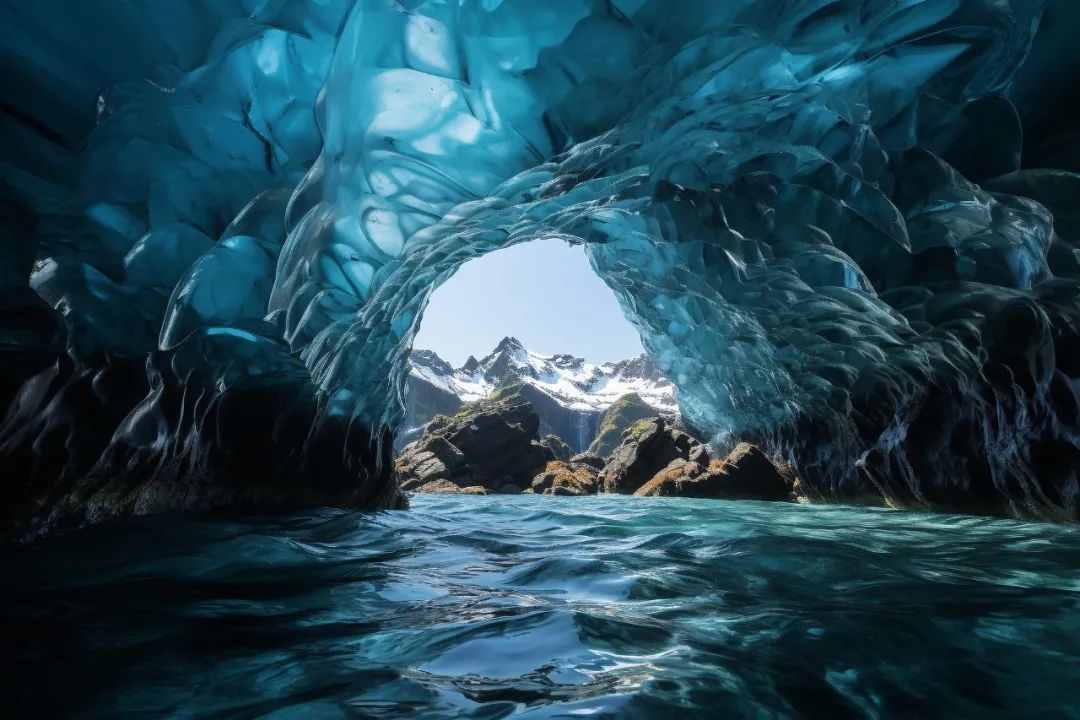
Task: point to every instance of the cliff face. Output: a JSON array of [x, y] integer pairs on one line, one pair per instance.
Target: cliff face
[[424, 400]]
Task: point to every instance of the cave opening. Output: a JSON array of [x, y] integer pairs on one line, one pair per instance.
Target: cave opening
[[543, 292], [845, 230], [228, 255], [534, 316]]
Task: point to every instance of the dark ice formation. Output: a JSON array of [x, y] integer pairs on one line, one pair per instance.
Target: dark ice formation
[[846, 230]]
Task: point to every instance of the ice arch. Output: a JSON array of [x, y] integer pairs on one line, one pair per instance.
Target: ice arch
[[814, 211]]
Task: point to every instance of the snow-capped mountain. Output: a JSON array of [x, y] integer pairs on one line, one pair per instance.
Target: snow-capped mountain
[[568, 393], [576, 384]]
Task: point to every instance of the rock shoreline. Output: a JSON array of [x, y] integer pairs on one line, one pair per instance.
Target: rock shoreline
[[491, 447]]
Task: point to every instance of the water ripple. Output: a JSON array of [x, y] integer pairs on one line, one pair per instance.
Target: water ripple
[[538, 607]]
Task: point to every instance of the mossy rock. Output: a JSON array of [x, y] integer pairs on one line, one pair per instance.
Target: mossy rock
[[496, 396], [505, 391], [620, 416], [639, 428], [563, 478]]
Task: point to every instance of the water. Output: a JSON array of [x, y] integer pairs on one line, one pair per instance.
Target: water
[[536, 607]]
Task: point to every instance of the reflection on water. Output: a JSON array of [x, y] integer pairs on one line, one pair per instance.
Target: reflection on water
[[491, 607]]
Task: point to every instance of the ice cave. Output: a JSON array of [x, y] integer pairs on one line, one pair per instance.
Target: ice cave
[[846, 230]]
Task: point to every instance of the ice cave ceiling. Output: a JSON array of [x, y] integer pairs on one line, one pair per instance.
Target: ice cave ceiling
[[845, 229]]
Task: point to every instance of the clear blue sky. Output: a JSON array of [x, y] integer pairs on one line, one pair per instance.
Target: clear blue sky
[[544, 293]]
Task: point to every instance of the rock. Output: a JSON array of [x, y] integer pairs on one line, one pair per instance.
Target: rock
[[509, 489], [570, 490], [619, 416], [558, 447], [491, 443], [746, 474], [563, 478], [647, 448], [681, 467], [433, 460], [574, 425], [699, 454], [424, 402], [589, 459], [446, 486]]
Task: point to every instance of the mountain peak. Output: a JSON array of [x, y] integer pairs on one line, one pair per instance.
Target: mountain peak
[[430, 359], [641, 366], [567, 381], [509, 360], [509, 343]]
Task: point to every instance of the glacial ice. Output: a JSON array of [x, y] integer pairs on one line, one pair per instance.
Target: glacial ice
[[817, 213]]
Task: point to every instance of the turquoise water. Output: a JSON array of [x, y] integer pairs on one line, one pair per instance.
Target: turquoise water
[[536, 607]]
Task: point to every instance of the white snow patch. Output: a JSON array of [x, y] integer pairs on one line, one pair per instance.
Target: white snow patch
[[580, 386]]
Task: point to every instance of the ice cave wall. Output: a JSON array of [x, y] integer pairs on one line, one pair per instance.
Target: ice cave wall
[[820, 215]]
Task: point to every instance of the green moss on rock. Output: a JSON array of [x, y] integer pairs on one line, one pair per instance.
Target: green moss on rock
[[623, 413]]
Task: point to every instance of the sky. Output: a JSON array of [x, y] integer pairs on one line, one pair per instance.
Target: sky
[[544, 293]]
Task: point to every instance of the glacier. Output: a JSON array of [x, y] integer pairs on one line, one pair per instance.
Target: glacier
[[845, 230]]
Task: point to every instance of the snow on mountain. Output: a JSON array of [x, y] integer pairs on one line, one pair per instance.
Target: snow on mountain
[[571, 381]]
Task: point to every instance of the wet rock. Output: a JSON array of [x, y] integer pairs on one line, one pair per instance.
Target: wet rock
[[746, 474], [563, 478], [491, 444], [436, 459], [446, 486], [646, 448]]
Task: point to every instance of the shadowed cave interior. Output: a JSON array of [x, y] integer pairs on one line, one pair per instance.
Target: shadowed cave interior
[[844, 229]]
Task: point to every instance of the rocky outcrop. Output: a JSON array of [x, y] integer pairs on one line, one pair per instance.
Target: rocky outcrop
[[646, 448], [595, 461], [558, 447], [746, 474], [565, 478], [491, 444], [623, 413], [447, 486]]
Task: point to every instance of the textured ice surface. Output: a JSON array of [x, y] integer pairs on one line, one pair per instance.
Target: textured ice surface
[[814, 211]]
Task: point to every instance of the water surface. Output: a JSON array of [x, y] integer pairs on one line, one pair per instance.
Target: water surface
[[537, 607]]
